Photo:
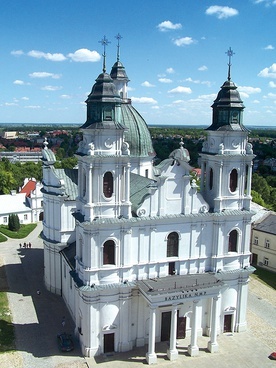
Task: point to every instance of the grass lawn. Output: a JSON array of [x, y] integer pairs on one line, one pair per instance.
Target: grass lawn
[[265, 276], [7, 337], [23, 232], [2, 238]]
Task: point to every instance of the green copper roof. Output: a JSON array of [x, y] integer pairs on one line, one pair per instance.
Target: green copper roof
[[139, 190], [138, 135]]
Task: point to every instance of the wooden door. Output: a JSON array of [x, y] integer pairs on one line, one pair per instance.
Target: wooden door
[[181, 327], [166, 326], [109, 343], [228, 323]]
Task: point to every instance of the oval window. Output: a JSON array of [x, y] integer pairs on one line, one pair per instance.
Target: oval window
[[108, 184]]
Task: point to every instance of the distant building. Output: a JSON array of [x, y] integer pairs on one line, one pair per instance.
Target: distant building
[[263, 242], [22, 156], [10, 135]]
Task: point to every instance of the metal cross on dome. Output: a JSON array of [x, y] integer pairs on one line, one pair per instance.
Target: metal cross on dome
[[105, 43], [230, 53], [118, 37]]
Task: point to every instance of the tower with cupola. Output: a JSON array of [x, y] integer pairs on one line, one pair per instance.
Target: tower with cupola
[[226, 158]]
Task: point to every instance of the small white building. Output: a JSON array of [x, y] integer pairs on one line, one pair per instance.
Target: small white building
[[15, 203], [136, 251]]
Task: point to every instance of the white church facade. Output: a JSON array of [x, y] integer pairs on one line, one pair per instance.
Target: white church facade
[[139, 253]]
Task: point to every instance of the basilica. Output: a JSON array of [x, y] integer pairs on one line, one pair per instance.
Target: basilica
[[139, 253]]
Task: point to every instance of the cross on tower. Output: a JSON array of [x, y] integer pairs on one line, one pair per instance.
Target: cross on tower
[[118, 37], [105, 43], [230, 54]]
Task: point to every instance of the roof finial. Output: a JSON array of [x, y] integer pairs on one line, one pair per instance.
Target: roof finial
[[119, 37], [230, 53], [104, 42]]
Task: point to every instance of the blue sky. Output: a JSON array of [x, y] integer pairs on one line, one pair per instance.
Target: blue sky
[[174, 52]]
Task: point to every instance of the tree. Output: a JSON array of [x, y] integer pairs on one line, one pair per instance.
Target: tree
[[14, 224], [7, 182]]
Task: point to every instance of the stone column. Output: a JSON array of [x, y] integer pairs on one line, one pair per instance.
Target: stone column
[[172, 352], [151, 356], [193, 348], [212, 344]]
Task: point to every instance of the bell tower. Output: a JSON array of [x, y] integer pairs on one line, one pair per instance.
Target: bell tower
[[103, 155], [226, 158]]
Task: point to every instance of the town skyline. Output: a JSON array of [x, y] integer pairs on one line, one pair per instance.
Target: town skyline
[[175, 57]]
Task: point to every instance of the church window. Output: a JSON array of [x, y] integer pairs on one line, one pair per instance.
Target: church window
[[84, 185], [211, 179], [233, 241], [233, 180], [108, 184], [246, 178], [172, 244], [109, 252], [80, 249], [107, 114]]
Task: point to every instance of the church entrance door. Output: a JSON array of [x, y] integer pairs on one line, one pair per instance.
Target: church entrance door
[[109, 343], [166, 326]]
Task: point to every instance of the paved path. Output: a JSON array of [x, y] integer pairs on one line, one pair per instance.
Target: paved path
[[37, 320]]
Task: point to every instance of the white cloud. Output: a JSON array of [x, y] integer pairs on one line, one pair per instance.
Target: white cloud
[[184, 41], [249, 90], [269, 72], [144, 100], [32, 107], [202, 68], [170, 70], [84, 55], [17, 52], [267, 3], [147, 84], [269, 47], [165, 80], [167, 25], [10, 104], [256, 101], [65, 97], [191, 80], [244, 95], [271, 95], [180, 89], [25, 98], [221, 12], [19, 82], [46, 55], [44, 75], [272, 84], [51, 88]]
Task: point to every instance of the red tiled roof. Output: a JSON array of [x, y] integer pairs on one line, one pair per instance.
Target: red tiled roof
[[28, 188]]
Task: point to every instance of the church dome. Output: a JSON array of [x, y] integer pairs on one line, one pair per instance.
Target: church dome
[[104, 89], [137, 134], [228, 96], [118, 72]]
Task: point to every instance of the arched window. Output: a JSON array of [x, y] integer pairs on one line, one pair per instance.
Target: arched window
[[211, 179], [233, 180], [108, 184], [80, 249], [246, 178], [172, 245], [233, 241], [109, 252], [84, 185]]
